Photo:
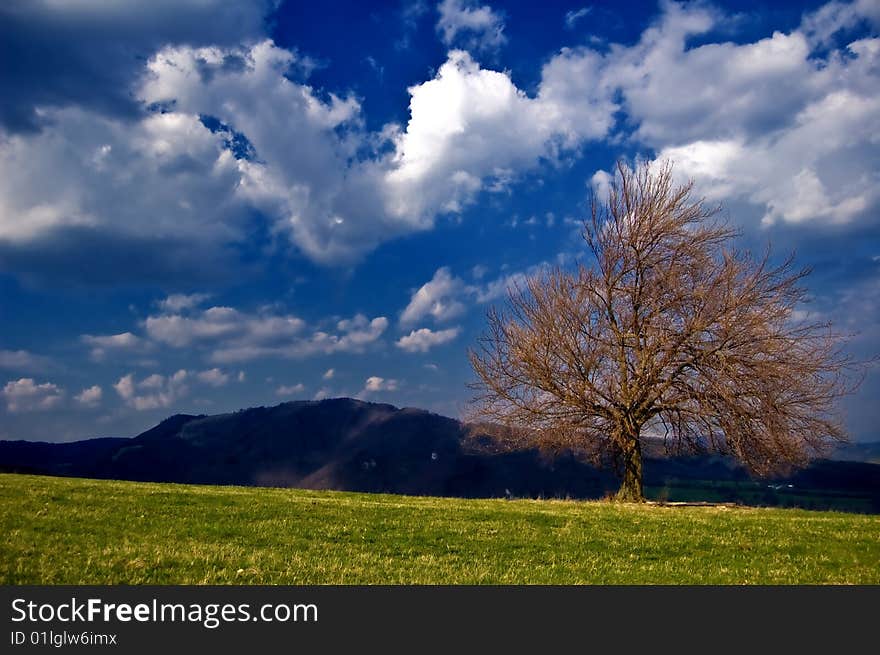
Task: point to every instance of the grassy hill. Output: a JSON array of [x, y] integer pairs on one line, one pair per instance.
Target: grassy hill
[[78, 531]]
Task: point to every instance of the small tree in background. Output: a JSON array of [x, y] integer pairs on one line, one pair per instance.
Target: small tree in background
[[670, 331]]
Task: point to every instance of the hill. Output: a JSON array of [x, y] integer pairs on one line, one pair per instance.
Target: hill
[[350, 445], [341, 444], [75, 531]]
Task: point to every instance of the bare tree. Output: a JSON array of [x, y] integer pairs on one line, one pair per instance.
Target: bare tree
[[670, 332]]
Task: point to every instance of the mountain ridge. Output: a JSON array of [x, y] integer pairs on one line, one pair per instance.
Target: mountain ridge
[[353, 445]]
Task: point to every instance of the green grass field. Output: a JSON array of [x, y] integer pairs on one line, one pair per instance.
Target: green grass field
[[69, 531]]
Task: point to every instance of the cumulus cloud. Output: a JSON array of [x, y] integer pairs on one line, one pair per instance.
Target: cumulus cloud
[[828, 20], [90, 396], [215, 323], [224, 131], [166, 178], [22, 360], [125, 386], [446, 296], [471, 127], [25, 395], [125, 197], [305, 176], [375, 384], [178, 302], [153, 392], [328, 374], [290, 390], [470, 25], [228, 335], [213, 377], [422, 340], [438, 298], [154, 381], [102, 344], [81, 52], [803, 174], [352, 335], [809, 155], [170, 177]]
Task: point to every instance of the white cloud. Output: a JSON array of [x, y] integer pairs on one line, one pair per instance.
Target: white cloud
[[22, 360], [313, 183], [823, 24], [156, 183], [213, 377], [467, 23], [422, 340], [102, 344], [150, 185], [162, 391], [572, 17], [177, 302], [322, 393], [814, 170], [90, 396], [102, 46], [329, 373], [241, 376], [438, 298], [125, 387], [217, 323], [575, 100], [229, 335], [352, 335], [375, 384], [470, 127], [600, 184], [719, 89], [154, 381], [25, 395], [808, 155], [179, 331], [446, 296], [166, 179], [500, 286], [291, 390]]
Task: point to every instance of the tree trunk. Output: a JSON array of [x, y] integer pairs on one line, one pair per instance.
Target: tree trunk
[[631, 489]]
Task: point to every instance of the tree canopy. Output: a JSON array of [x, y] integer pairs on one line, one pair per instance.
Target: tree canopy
[[667, 331]]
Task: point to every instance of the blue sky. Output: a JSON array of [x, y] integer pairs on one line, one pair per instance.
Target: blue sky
[[215, 204]]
